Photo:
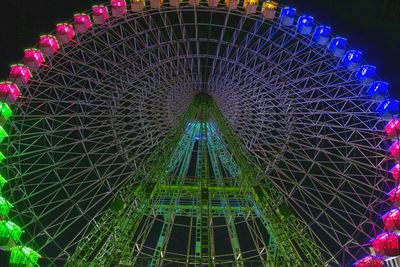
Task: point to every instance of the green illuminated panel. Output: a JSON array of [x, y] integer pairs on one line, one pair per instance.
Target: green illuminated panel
[[3, 134], [3, 181], [2, 157], [23, 256], [10, 230], [5, 110], [5, 207]]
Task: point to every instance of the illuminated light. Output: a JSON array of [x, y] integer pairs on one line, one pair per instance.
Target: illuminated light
[[118, 3], [23, 256], [10, 91], [352, 59], [2, 157], [5, 207], [64, 33], [48, 44], [378, 90], [394, 150], [3, 181], [394, 195], [82, 23], [366, 74], [20, 74], [118, 8], [9, 230], [287, 16], [138, 5], [33, 58], [392, 128], [232, 4], [391, 220], [158, 3], [322, 34], [211, 3], [369, 261], [100, 14], [5, 111], [337, 46], [3, 134], [305, 25], [388, 108], [269, 9], [250, 6], [395, 172], [386, 244]]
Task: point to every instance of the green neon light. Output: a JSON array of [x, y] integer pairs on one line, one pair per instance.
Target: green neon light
[[3, 134], [2, 157], [3, 181], [9, 230], [5, 110], [5, 207], [23, 256]]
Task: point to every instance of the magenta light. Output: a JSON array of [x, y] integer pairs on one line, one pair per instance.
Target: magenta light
[[100, 15], [118, 3], [48, 44], [391, 220], [9, 90], [118, 8], [395, 171], [394, 195], [394, 150], [392, 128], [64, 32], [386, 244], [33, 58], [369, 261], [82, 23], [20, 74]]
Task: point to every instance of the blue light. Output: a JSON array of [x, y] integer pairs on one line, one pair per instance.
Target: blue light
[[287, 16], [321, 35], [378, 90], [388, 108], [305, 24], [337, 46], [366, 74], [352, 59]]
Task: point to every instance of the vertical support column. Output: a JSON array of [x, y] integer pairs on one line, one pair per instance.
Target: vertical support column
[[199, 211], [229, 217], [204, 231], [182, 155]]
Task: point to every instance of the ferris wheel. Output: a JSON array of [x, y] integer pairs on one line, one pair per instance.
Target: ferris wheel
[[197, 134]]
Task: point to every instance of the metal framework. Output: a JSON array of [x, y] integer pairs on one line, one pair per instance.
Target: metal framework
[[225, 190], [104, 168]]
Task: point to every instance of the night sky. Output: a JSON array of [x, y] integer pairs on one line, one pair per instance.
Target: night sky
[[372, 26]]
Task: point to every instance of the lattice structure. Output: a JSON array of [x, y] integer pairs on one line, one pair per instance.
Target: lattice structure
[[293, 133]]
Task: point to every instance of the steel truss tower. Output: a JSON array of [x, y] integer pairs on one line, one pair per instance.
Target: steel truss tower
[[225, 186]]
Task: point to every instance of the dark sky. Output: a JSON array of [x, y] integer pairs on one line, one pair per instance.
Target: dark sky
[[372, 26]]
